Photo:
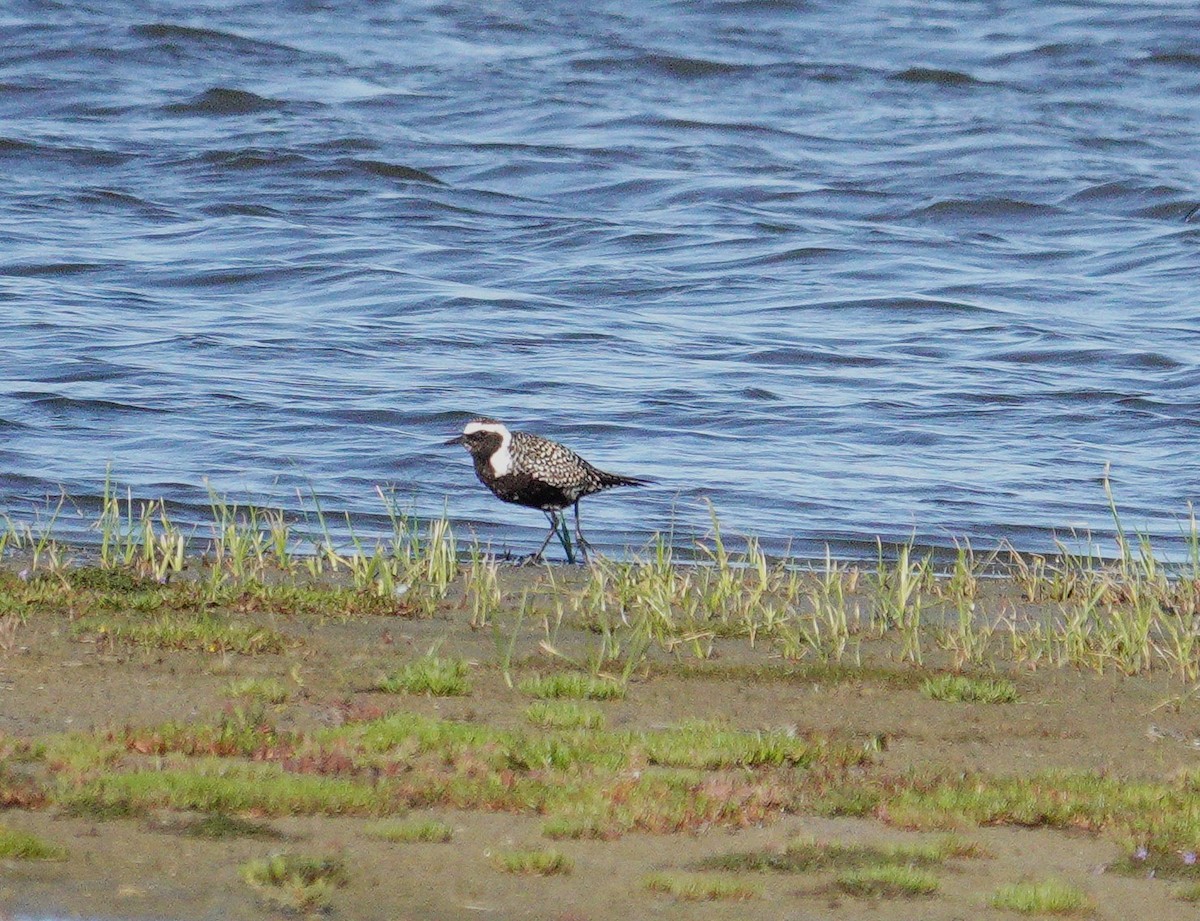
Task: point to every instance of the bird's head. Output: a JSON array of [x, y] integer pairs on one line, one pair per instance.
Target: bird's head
[[483, 437]]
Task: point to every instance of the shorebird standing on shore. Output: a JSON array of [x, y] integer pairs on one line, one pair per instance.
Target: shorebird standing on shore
[[536, 472]]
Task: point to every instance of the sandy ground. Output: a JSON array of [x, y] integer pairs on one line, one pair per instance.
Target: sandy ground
[[53, 682]]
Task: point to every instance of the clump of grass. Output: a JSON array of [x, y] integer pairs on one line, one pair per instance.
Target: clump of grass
[[203, 632], [1188, 893], [1160, 861], [562, 714], [219, 826], [19, 845], [707, 745], [1166, 815], [701, 887], [964, 689], [899, 599], [1047, 897], [804, 854], [267, 690], [293, 882], [429, 675], [888, 881], [577, 825], [533, 862], [222, 785], [482, 588], [829, 631], [107, 581], [572, 685], [409, 831], [78, 757]]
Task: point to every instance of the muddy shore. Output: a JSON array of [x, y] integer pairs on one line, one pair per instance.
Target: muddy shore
[[97, 686]]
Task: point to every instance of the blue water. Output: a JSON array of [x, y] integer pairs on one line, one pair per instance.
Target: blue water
[[893, 268]]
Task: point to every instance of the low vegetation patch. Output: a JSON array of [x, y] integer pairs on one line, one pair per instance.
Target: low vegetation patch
[[1045, 897], [293, 882], [197, 633], [707, 745], [1161, 862], [79, 756], [563, 714], [217, 785], [807, 854], [701, 887], [218, 826], [573, 685], [1164, 814], [580, 825], [19, 845], [409, 831], [887, 881], [430, 675], [533, 862], [266, 690], [963, 689]]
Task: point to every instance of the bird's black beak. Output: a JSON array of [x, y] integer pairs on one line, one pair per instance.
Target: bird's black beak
[[456, 440]]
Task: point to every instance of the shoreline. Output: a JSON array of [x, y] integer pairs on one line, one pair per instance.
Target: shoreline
[[112, 527]]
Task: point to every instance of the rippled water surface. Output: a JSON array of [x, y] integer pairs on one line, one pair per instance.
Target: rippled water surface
[[886, 269]]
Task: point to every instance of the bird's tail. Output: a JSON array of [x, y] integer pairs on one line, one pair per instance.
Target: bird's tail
[[608, 480]]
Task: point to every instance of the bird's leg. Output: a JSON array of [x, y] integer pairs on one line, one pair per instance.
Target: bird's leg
[[536, 556], [564, 535], [584, 546]]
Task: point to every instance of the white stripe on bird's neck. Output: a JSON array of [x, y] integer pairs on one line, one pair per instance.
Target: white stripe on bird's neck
[[501, 460]]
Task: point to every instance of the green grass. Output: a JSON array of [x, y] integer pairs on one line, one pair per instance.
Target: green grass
[[217, 826], [571, 685], [110, 581], [220, 785], [430, 675], [19, 845], [1130, 612], [563, 714], [267, 690], [1162, 861], [533, 862], [80, 755], [201, 632], [708, 745], [409, 831], [1047, 897], [807, 854], [292, 882], [888, 881], [578, 825], [1190, 893], [701, 887], [963, 689], [1166, 815], [587, 783]]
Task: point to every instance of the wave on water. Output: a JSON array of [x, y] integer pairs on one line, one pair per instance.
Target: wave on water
[[397, 171], [936, 76], [225, 101]]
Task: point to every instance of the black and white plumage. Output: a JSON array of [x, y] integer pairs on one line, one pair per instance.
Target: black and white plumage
[[536, 472]]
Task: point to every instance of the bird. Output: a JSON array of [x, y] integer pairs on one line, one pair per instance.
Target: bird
[[533, 471]]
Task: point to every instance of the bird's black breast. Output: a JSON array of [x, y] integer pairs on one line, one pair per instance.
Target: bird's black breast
[[520, 488]]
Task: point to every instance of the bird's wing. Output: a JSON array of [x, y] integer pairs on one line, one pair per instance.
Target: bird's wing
[[552, 463]]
